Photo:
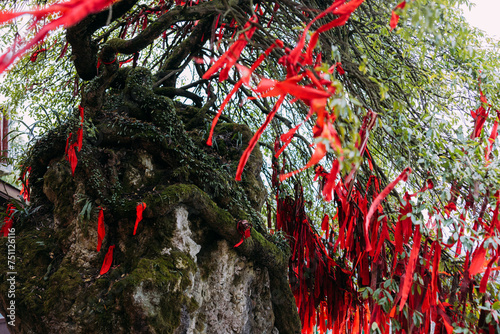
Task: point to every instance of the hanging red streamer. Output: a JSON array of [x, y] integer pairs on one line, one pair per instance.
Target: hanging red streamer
[[395, 16], [108, 260], [101, 231], [139, 209], [403, 176], [66, 14], [405, 287]]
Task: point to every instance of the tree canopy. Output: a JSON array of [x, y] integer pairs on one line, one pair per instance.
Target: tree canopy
[[378, 122]]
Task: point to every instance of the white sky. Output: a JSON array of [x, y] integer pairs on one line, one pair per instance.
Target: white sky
[[485, 16]]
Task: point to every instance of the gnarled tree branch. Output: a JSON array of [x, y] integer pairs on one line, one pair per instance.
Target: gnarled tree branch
[[80, 37]]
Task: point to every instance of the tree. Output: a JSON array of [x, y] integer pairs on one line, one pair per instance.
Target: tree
[[405, 232]]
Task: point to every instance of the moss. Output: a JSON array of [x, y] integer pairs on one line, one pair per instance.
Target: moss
[[257, 247], [237, 280], [166, 138], [117, 43], [200, 322], [154, 277], [64, 286], [59, 187], [285, 310], [35, 251]]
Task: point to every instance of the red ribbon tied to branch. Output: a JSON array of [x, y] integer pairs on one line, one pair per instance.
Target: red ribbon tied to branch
[[403, 176], [244, 228], [35, 54], [66, 14], [229, 58]]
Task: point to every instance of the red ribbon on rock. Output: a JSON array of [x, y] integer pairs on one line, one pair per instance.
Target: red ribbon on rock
[[101, 231], [108, 260], [70, 149], [139, 209], [244, 228]]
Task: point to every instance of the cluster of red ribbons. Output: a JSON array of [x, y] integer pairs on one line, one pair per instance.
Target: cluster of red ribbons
[[221, 28], [101, 233], [325, 289], [314, 94], [66, 14], [476, 261]]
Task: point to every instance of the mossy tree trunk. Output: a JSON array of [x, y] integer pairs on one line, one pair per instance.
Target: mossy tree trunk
[[137, 148]]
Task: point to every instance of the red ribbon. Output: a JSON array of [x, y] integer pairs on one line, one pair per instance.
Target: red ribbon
[[108, 260], [244, 228], [140, 208], [101, 231]]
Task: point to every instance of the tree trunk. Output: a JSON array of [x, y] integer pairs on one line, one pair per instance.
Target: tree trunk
[[180, 273]]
